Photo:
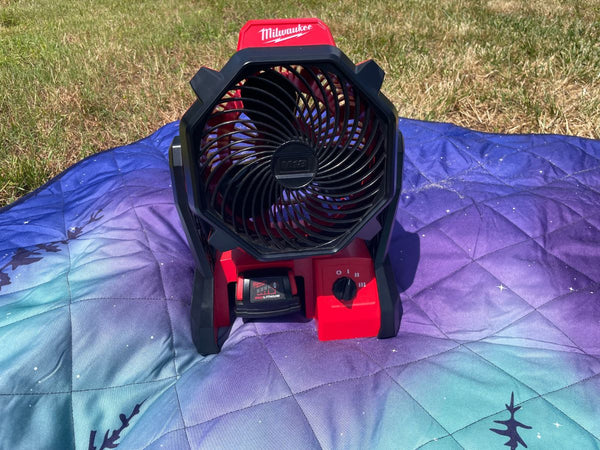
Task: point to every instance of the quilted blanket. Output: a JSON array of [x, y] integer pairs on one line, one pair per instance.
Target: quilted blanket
[[496, 253]]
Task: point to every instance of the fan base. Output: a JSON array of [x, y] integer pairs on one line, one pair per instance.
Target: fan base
[[337, 318]]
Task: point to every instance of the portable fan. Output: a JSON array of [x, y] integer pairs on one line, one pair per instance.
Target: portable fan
[[286, 179]]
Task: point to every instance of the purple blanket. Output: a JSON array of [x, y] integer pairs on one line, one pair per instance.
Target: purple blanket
[[497, 257]]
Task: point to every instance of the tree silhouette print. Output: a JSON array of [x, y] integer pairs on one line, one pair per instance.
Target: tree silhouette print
[[511, 426], [24, 257], [111, 441]]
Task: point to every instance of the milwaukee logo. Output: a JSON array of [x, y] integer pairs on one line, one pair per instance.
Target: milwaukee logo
[[273, 35], [293, 165]]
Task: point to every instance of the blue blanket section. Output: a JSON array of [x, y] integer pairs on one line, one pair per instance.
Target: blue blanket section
[[499, 344]]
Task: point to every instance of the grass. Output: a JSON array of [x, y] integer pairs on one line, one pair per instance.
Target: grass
[[80, 77]]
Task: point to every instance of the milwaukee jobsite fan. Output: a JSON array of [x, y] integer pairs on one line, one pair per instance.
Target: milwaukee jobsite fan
[[286, 177]]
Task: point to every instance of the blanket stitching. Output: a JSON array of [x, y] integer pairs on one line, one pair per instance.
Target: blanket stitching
[[485, 203], [527, 189], [70, 317], [384, 369], [558, 139], [500, 215], [535, 309], [358, 378], [312, 332], [552, 254], [393, 366], [87, 389], [274, 400], [34, 315], [495, 333], [153, 299], [577, 146], [287, 384], [514, 378], [187, 427], [585, 186], [186, 302], [172, 343], [545, 303], [567, 336], [477, 261], [258, 336], [149, 246], [539, 395], [521, 403], [528, 313], [537, 194], [553, 350], [100, 224], [535, 155]]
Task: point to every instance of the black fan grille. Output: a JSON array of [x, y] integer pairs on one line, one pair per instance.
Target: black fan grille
[[312, 105]]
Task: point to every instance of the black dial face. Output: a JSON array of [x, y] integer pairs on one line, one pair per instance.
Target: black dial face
[[344, 288]]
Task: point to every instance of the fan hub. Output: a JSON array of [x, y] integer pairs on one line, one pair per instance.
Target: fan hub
[[294, 164]]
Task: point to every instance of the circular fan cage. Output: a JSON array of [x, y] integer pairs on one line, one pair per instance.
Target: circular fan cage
[[338, 176]]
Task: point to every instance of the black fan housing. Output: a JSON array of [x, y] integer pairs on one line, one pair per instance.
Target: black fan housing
[[292, 151]]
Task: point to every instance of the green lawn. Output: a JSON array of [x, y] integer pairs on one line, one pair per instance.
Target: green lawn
[[78, 77]]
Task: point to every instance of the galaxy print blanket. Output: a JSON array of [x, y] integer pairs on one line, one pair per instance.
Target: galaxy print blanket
[[496, 253]]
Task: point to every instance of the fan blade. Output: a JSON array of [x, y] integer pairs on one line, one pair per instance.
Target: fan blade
[[268, 95]]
